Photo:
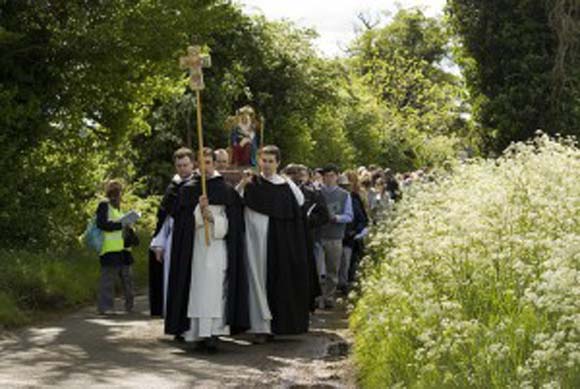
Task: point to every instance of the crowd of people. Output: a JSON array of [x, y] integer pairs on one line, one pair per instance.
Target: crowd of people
[[259, 255]]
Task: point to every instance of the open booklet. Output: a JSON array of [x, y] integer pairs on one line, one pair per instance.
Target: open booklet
[[130, 217]]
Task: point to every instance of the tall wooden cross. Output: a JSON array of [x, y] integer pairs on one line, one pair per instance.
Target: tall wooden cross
[[195, 62]]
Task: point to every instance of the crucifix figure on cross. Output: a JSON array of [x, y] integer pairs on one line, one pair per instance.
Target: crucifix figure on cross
[[195, 61]]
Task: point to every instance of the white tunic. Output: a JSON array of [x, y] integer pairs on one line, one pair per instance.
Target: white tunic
[[207, 299], [163, 240], [257, 254]]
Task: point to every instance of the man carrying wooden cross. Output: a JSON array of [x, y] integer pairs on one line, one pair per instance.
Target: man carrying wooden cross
[[195, 61], [176, 320]]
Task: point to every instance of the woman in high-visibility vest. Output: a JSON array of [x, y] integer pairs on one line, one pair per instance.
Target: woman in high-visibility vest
[[115, 255]]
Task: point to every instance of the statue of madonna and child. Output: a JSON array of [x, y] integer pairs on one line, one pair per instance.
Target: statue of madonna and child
[[245, 136]]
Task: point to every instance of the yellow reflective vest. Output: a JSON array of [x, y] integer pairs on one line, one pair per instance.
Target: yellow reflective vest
[[113, 240]]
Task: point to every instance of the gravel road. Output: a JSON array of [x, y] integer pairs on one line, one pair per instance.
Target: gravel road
[[83, 350]]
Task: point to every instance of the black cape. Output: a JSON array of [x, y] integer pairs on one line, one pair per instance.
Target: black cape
[[236, 283], [288, 284], [155, 267]]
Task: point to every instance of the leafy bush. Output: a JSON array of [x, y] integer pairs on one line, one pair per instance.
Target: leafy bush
[[32, 283], [475, 281], [10, 315]]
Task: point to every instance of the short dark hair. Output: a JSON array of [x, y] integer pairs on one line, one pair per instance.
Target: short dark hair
[[113, 189], [376, 176], [183, 152], [331, 167], [272, 150]]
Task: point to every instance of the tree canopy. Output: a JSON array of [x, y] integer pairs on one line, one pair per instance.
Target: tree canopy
[[92, 89], [521, 62]]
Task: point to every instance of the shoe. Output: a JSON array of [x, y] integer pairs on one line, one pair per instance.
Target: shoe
[[198, 345], [329, 303], [260, 338], [211, 344], [342, 291], [179, 339]]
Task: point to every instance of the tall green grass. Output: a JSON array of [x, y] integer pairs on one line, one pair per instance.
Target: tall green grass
[[475, 281], [32, 284]]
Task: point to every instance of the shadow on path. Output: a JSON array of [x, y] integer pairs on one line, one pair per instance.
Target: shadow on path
[[84, 350]]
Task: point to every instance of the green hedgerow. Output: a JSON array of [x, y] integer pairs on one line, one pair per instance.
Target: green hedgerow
[[475, 281], [10, 314], [32, 283]]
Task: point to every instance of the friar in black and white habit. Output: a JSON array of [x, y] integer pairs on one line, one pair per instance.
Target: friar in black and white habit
[[277, 259], [160, 247], [316, 215], [219, 287], [230, 293]]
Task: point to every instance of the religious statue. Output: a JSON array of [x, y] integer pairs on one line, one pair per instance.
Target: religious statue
[[245, 137]]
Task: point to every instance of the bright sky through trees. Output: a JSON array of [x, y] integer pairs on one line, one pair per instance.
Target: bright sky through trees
[[335, 20]]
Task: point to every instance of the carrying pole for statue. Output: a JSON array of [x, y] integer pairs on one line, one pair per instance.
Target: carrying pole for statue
[[194, 61]]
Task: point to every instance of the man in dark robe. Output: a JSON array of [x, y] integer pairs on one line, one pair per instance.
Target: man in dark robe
[[159, 253], [356, 230], [177, 321], [315, 215], [277, 259]]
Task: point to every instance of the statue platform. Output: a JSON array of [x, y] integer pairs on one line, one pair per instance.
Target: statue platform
[[233, 174]]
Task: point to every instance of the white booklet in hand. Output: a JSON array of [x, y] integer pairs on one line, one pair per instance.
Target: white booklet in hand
[[130, 217]]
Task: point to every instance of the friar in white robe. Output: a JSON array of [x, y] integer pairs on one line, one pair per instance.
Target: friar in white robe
[[217, 303], [277, 261], [207, 299]]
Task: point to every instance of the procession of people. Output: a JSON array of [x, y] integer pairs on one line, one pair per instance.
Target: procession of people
[[280, 245], [257, 255], [256, 251]]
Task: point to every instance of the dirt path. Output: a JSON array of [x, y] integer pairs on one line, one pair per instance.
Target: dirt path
[[84, 350]]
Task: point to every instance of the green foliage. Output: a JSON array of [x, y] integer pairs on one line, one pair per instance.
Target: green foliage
[[417, 102], [271, 66], [521, 61], [381, 105], [93, 91], [474, 280], [10, 315], [33, 283], [77, 81]]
